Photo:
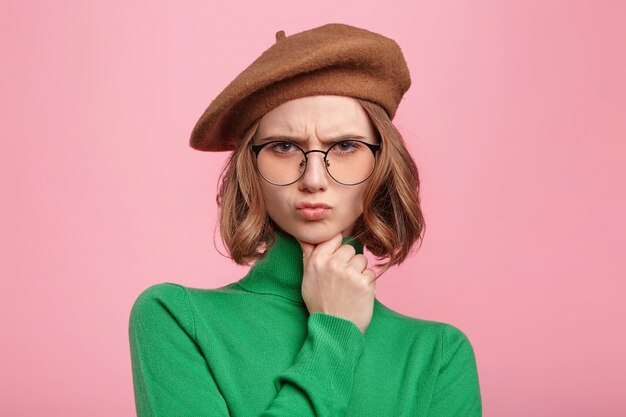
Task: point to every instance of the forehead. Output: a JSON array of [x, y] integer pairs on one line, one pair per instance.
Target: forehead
[[316, 116]]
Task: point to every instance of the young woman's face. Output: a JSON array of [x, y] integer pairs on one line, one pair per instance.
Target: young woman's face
[[315, 122]]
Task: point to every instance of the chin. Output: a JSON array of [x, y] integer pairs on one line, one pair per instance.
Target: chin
[[318, 234]]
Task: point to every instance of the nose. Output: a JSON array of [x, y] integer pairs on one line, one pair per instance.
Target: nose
[[315, 176]]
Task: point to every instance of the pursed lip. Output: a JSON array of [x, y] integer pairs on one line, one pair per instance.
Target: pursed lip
[[307, 205], [312, 211]]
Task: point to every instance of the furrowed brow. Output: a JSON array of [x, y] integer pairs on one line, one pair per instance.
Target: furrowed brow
[[301, 140]]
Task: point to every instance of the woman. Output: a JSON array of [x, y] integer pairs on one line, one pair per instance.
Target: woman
[[318, 171]]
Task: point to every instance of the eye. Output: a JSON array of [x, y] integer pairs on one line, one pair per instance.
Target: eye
[[283, 147], [346, 146]]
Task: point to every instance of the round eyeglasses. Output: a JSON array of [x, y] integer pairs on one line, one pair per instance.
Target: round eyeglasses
[[349, 162]]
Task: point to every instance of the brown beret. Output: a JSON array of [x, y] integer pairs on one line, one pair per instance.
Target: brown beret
[[334, 59]]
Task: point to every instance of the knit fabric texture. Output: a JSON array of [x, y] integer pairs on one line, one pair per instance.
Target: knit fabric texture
[[334, 59], [251, 349]]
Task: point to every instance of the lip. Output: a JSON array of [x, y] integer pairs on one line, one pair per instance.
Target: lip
[[312, 211], [307, 205]]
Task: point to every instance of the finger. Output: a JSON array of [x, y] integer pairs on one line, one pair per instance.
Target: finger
[[359, 262], [371, 275], [307, 249], [345, 253], [330, 246]]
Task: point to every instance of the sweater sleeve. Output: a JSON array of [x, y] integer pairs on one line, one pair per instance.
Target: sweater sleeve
[[171, 377], [170, 374], [457, 390], [320, 380]]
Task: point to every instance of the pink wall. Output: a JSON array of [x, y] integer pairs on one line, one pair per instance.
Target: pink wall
[[516, 118]]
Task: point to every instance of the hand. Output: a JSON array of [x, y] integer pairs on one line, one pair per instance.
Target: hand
[[337, 281]]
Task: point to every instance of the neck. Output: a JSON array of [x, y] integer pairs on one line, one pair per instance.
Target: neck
[[279, 271]]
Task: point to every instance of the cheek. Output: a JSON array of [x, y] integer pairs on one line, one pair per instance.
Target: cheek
[[354, 201], [360, 197], [273, 198]]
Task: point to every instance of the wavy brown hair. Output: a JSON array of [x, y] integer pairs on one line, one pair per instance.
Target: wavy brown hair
[[389, 227]]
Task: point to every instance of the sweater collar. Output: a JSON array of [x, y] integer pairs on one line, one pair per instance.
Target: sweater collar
[[279, 271]]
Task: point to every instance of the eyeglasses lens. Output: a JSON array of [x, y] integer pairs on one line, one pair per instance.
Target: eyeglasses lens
[[348, 162]]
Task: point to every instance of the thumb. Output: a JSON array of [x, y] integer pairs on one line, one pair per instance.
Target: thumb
[[307, 248]]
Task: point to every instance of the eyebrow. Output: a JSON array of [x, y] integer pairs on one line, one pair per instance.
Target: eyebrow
[[301, 140]]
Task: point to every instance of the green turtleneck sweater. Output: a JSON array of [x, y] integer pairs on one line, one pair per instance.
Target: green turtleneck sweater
[[251, 349]]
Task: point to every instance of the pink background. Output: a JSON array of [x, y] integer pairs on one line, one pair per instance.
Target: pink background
[[516, 118]]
